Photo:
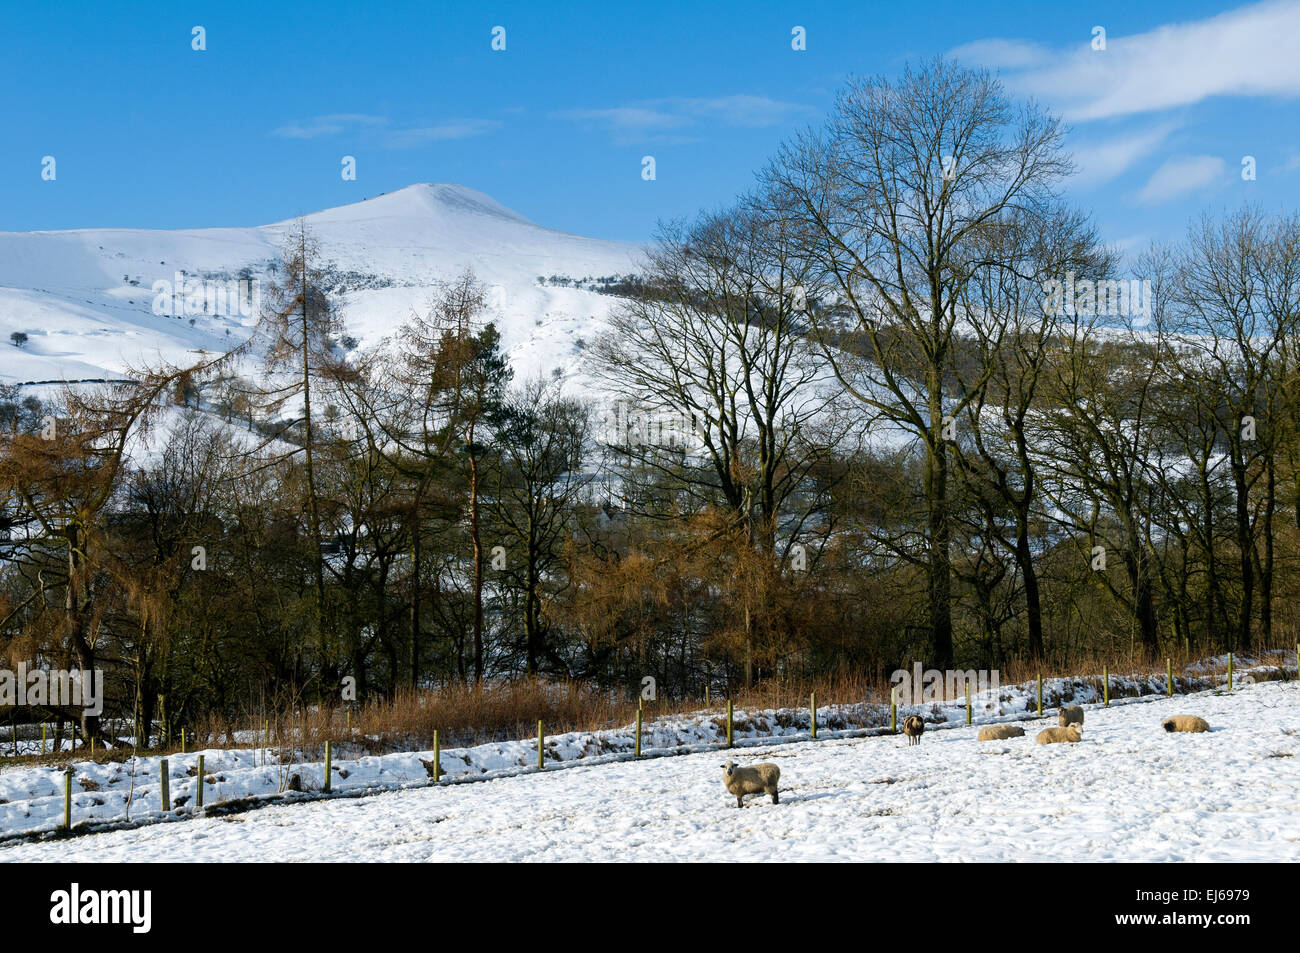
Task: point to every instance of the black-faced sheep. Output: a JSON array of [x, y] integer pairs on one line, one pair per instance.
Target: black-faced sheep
[[1000, 732], [1049, 736], [914, 728], [755, 779], [1185, 723], [1070, 716]]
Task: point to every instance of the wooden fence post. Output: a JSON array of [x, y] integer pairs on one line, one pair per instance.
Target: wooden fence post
[[198, 798], [182, 741], [329, 763], [541, 745], [893, 710], [1169, 678], [638, 734], [968, 701], [437, 757], [42, 739], [730, 737], [1105, 686], [1229, 671], [812, 702], [1040, 694], [164, 783], [67, 798]]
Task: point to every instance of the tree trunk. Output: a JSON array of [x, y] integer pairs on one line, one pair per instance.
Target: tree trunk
[[327, 674], [78, 636], [1246, 544], [940, 565], [415, 599], [1033, 607], [475, 537]]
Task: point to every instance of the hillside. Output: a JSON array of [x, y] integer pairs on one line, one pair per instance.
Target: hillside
[[85, 298]]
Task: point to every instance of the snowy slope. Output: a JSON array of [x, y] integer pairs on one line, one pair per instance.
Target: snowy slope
[[85, 298], [1128, 791]]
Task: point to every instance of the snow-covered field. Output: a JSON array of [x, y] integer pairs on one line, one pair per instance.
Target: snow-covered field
[[1128, 792], [119, 792]]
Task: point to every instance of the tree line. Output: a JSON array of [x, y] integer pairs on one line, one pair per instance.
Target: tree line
[[898, 402]]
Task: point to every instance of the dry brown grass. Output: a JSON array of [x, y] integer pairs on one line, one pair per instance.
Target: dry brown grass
[[465, 715]]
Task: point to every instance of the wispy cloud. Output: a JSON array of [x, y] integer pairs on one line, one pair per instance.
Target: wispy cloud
[[383, 130], [1004, 54], [676, 118], [451, 129], [1181, 175], [325, 126], [628, 119], [1102, 161], [1249, 51]]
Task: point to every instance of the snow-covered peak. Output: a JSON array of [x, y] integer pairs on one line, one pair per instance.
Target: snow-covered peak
[[423, 202], [86, 299]]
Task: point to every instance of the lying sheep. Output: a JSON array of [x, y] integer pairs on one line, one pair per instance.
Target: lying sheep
[[1185, 723], [1000, 732], [914, 728], [756, 779], [1070, 716], [1049, 736]]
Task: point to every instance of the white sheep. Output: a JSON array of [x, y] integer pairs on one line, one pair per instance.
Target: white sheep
[[914, 728], [1070, 716], [1185, 723], [1000, 732], [1050, 736], [755, 779]]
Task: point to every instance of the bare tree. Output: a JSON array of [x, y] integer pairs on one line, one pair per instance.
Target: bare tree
[[537, 483], [1238, 298], [299, 330], [715, 362], [430, 400], [892, 197], [1010, 338]]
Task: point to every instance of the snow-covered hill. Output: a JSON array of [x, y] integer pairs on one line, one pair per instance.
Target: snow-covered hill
[[86, 298]]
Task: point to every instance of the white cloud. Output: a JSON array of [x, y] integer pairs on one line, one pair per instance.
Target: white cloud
[[451, 129], [1130, 243], [1100, 162], [744, 110], [1250, 51], [382, 129], [652, 119], [325, 126], [1181, 175], [1004, 54], [628, 118]]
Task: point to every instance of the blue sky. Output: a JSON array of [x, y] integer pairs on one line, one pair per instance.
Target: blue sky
[[147, 132]]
